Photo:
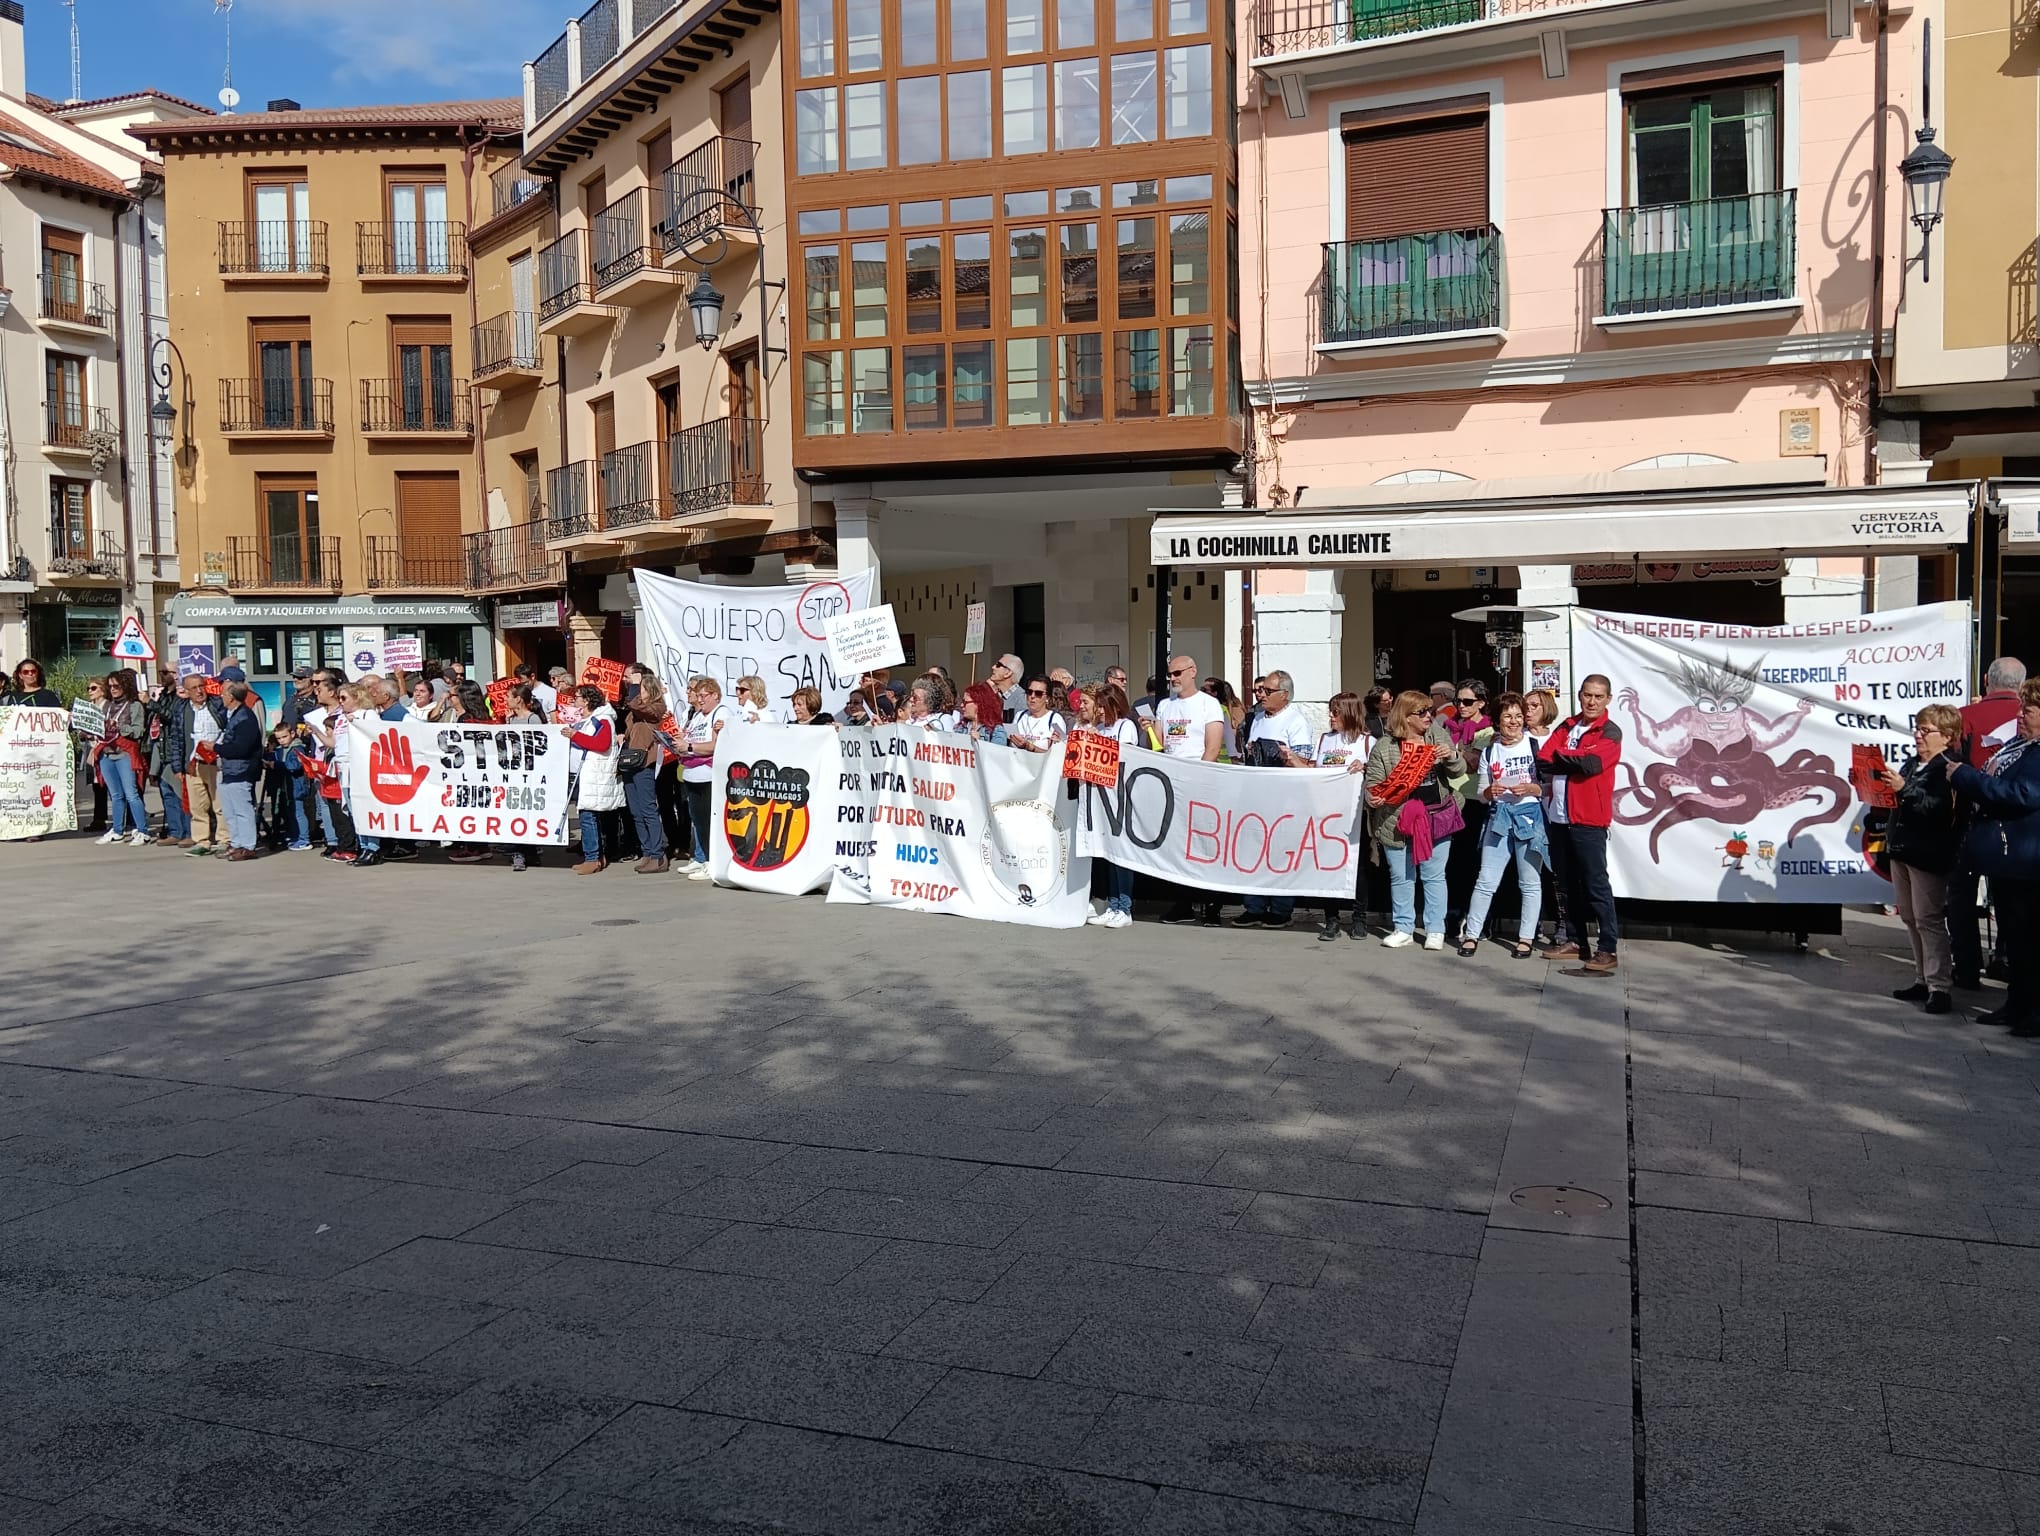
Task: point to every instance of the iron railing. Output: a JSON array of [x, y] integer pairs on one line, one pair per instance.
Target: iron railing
[[1699, 255], [508, 340], [66, 298], [549, 78], [70, 424], [599, 36], [79, 552], [414, 560], [719, 463], [514, 558], [1300, 26], [276, 405], [630, 485], [562, 279], [728, 167], [621, 245], [427, 405], [1411, 285], [569, 511], [406, 249], [286, 247], [283, 560], [513, 186]]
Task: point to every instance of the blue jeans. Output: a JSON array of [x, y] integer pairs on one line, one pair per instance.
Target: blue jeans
[[1403, 874], [1494, 858], [591, 837], [123, 793], [641, 790], [176, 820], [1271, 906], [362, 840], [237, 802], [1118, 889]]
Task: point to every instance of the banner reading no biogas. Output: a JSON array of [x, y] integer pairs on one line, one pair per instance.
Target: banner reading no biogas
[[690, 628]]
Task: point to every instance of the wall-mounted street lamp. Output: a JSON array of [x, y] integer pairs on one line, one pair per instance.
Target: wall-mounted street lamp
[[705, 301], [705, 304], [1927, 168], [162, 413]]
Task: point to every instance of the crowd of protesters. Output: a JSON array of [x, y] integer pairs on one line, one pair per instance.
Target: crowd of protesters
[[1460, 791]]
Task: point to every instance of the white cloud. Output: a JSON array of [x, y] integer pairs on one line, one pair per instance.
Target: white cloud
[[379, 47]]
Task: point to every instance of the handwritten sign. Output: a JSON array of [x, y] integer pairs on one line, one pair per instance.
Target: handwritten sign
[[1866, 774], [88, 720], [865, 639], [499, 697], [1092, 759], [973, 629], [604, 674], [403, 652]]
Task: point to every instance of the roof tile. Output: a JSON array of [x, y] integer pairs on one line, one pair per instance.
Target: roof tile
[[28, 153]]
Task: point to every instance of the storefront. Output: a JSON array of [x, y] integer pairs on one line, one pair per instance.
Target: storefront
[[270, 638], [533, 634]]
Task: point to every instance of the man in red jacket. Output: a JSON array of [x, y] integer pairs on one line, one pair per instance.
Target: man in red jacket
[[2000, 703], [1581, 756]]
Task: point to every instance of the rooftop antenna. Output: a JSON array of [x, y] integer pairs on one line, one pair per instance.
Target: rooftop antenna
[[229, 97], [77, 94]]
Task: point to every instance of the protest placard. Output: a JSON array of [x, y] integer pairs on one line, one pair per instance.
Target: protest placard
[[862, 640], [1092, 759]]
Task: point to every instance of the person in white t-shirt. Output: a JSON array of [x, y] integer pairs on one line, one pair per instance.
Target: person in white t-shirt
[[1346, 746], [753, 704], [1281, 736], [1106, 712], [1192, 724], [1036, 728], [1513, 830], [707, 714]]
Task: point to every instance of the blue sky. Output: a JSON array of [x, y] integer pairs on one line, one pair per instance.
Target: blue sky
[[322, 52]]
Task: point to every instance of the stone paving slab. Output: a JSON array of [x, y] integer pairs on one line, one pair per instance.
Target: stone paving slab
[[1206, 1231]]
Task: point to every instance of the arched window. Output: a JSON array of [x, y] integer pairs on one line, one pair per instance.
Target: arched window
[[1421, 477], [1676, 461]]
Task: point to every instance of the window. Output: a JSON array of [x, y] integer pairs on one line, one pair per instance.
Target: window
[[424, 359], [1027, 278], [816, 152], [1133, 98], [1079, 272], [1689, 146], [973, 392], [417, 232], [821, 394], [1136, 269], [1076, 104], [1081, 381], [864, 126], [871, 408], [63, 274], [824, 293], [924, 284], [1025, 101], [428, 529], [290, 511], [1190, 370], [283, 375], [71, 520], [924, 387], [1189, 263], [1076, 23], [64, 399], [817, 39], [1026, 27], [1187, 111], [971, 280], [1137, 374], [279, 207], [1133, 21], [920, 119], [868, 288], [864, 38], [968, 36], [1027, 381], [534, 483], [970, 115], [920, 37]]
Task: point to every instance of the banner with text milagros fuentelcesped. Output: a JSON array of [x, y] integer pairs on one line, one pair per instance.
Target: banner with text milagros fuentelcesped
[[1225, 827], [1736, 744], [469, 783], [38, 772]]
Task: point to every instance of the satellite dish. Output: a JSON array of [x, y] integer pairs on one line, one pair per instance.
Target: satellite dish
[[230, 98]]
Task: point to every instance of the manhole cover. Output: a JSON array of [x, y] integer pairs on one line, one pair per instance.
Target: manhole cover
[[614, 922], [1557, 1200]]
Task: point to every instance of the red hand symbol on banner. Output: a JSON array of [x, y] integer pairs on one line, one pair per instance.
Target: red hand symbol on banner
[[391, 777]]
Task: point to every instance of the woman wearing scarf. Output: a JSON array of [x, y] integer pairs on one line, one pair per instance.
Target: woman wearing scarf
[[1412, 813], [118, 756], [2003, 845], [1514, 828]]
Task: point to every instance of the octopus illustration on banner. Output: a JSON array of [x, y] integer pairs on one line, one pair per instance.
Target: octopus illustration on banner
[[1718, 763]]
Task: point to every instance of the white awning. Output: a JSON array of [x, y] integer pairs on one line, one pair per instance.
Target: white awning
[[1867, 521], [2021, 501]]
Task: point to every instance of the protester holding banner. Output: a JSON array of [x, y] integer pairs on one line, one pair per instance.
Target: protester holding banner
[[981, 714], [807, 708], [1412, 814], [1037, 727], [707, 714], [1922, 841], [1513, 829], [1580, 758], [595, 746], [2003, 846], [1346, 745], [1107, 713]]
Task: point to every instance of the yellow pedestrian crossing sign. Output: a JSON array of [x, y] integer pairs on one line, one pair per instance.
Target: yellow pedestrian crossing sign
[[131, 644]]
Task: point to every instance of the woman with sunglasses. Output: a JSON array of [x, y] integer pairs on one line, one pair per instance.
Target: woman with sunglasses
[[1412, 813], [118, 754], [1036, 728], [1512, 829], [1107, 713]]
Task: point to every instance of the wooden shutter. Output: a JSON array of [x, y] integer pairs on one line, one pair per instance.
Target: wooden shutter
[[421, 333], [428, 506], [67, 241], [604, 413], [733, 108], [1416, 178]]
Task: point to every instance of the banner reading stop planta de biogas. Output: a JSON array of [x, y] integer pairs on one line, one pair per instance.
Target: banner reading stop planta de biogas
[[468, 783]]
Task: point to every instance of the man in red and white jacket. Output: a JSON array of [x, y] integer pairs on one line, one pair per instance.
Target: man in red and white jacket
[[1580, 757]]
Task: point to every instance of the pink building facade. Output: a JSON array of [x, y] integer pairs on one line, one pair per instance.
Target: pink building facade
[[1547, 302]]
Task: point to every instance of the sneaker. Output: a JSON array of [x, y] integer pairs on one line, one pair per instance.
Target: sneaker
[[369, 860], [1398, 940], [138, 839], [1182, 912], [688, 866], [1097, 920], [1434, 941], [518, 863], [1117, 919], [198, 851], [1940, 1002], [110, 837], [1249, 920], [701, 872], [1329, 934], [1566, 951], [400, 852], [344, 857], [294, 847], [1916, 993]]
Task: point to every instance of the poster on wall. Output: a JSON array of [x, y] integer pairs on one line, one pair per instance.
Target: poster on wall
[[38, 773], [1737, 744], [692, 628], [364, 651], [470, 783]]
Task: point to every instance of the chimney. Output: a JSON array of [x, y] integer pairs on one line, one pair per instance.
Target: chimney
[[277, 104], [13, 50]]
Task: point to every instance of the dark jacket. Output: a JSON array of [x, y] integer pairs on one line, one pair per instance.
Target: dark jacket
[[296, 705], [2004, 830], [1922, 831], [179, 730], [32, 698], [240, 748], [1588, 769]]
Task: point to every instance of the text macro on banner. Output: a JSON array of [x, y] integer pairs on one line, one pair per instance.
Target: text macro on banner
[[940, 823], [1737, 744], [691, 628], [470, 783], [38, 773], [774, 825], [1223, 827]]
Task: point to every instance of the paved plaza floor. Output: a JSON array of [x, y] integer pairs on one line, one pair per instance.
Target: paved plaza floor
[[443, 1200]]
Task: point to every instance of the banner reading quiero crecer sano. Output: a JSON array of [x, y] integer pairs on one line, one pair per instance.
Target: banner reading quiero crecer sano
[[469, 783], [1736, 745], [1223, 827], [38, 773], [692, 628]]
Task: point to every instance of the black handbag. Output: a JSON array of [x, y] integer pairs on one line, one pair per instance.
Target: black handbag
[[632, 761]]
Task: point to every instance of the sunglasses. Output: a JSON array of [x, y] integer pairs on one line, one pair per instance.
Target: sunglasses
[[1181, 672], [1037, 693], [1423, 714], [1469, 703]]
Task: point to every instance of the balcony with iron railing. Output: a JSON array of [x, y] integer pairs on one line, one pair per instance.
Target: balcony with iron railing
[[417, 408], [566, 297], [591, 42], [1410, 287], [414, 561], [514, 559], [295, 407], [719, 463], [78, 554], [282, 562], [710, 189], [69, 427], [1283, 27], [1676, 259], [629, 486], [507, 352], [626, 252], [512, 187], [411, 250], [285, 250], [570, 510], [69, 303]]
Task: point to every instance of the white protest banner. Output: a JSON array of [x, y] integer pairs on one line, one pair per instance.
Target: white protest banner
[[472, 783], [1224, 827], [861, 642], [1737, 741], [935, 822], [774, 824], [38, 773], [690, 628], [973, 629]]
